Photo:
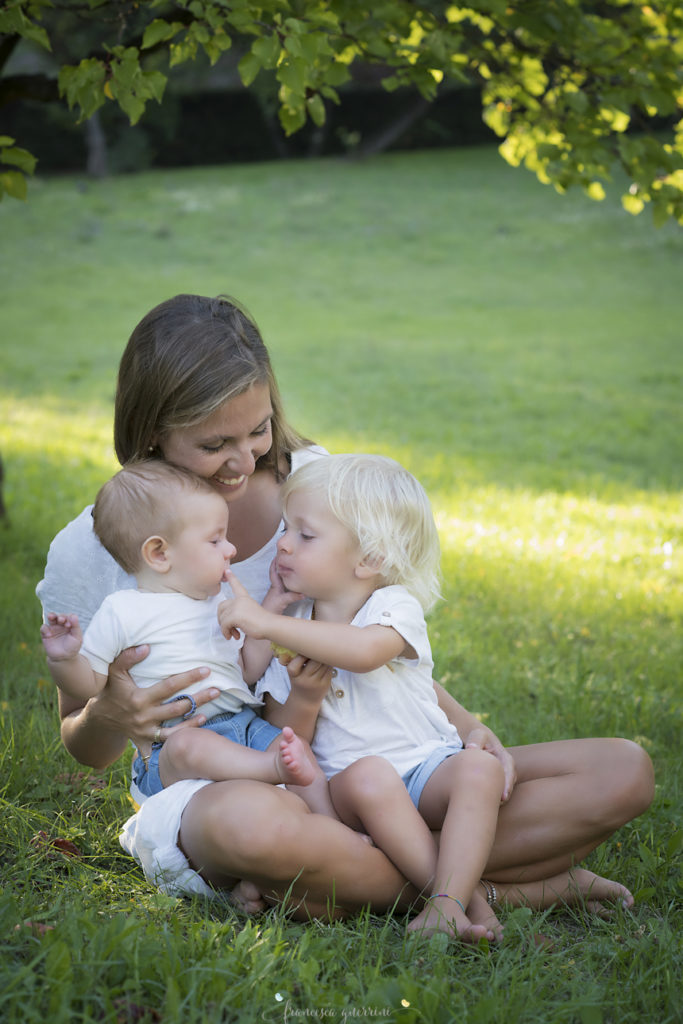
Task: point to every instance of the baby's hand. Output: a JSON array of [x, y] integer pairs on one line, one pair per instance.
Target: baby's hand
[[61, 636]]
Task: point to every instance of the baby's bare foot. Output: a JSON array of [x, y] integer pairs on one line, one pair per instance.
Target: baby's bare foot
[[444, 914], [291, 760]]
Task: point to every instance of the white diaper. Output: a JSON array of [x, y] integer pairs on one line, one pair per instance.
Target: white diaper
[[151, 837]]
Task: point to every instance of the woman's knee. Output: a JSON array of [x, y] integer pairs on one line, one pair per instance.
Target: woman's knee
[[634, 779], [238, 825], [478, 766]]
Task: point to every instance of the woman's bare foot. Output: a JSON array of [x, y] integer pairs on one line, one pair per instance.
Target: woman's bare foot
[[291, 760], [578, 886], [444, 914], [479, 912], [247, 897]]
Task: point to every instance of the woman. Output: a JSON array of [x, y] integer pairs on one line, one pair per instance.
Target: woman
[[196, 388]]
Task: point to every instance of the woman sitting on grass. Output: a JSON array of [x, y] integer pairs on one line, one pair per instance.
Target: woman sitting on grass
[[195, 388]]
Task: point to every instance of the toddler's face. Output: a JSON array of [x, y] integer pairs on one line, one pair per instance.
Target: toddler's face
[[317, 555]]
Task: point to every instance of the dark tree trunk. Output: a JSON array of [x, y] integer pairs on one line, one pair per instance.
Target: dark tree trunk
[[96, 143]]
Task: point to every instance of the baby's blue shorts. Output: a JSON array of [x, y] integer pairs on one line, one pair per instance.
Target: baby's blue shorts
[[417, 778], [245, 727]]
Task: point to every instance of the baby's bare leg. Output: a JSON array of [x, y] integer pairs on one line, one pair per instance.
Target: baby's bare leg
[[462, 796], [370, 796], [202, 754]]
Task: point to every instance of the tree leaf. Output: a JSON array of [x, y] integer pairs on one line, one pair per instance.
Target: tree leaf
[[14, 184], [316, 108], [159, 31], [18, 157]]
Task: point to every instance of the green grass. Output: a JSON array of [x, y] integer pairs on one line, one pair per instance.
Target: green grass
[[517, 350]]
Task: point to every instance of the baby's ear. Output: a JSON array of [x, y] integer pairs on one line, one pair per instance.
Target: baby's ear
[[154, 553]]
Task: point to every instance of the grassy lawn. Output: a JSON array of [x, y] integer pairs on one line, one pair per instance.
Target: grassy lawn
[[520, 352]]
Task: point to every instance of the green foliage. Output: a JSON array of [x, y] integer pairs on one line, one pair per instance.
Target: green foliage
[[563, 80], [12, 181]]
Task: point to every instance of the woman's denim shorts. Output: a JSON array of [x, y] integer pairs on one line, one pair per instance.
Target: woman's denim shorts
[[245, 727]]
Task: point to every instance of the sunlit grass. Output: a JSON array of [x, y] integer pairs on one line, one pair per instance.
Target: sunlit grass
[[520, 353]]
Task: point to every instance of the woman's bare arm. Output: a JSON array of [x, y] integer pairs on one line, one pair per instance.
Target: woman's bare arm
[[96, 733], [475, 734]]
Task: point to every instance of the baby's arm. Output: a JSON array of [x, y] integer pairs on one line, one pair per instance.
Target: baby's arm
[[71, 671], [355, 648]]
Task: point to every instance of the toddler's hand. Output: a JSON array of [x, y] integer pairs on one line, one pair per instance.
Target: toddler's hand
[[278, 597], [61, 636], [309, 677]]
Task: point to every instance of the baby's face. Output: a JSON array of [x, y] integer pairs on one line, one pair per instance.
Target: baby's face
[[200, 553]]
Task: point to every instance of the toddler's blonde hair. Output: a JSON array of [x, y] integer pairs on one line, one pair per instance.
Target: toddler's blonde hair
[[141, 501], [386, 510]]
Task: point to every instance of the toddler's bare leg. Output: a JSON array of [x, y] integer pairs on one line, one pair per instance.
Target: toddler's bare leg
[[370, 796], [202, 754], [463, 796]]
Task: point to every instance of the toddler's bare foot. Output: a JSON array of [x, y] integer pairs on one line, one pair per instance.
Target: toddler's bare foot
[[291, 760], [444, 914], [577, 886], [479, 912], [247, 897]]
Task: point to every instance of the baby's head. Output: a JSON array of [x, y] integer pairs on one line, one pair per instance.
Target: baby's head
[[145, 499], [385, 510]]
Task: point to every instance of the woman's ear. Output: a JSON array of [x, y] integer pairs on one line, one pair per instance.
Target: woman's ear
[[154, 553]]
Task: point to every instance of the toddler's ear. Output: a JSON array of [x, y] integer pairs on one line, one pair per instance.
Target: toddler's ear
[[366, 570], [154, 553]]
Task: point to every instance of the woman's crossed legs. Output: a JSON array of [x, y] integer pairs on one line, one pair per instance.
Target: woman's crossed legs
[[570, 796]]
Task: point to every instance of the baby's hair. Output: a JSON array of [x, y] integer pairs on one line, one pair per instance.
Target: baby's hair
[[141, 501], [386, 510]]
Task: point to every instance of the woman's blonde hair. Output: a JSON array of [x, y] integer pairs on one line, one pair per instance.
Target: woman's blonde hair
[[184, 359], [386, 510], [141, 501]]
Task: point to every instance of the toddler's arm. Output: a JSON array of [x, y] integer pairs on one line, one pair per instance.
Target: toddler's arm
[[355, 648], [309, 681], [71, 671], [256, 653]]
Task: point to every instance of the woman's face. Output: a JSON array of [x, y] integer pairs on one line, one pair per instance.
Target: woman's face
[[224, 447]]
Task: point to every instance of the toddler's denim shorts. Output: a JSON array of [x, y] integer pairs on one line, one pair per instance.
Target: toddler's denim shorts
[[245, 727], [417, 778]]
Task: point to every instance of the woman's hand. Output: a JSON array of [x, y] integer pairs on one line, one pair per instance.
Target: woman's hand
[[139, 711], [485, 739]]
